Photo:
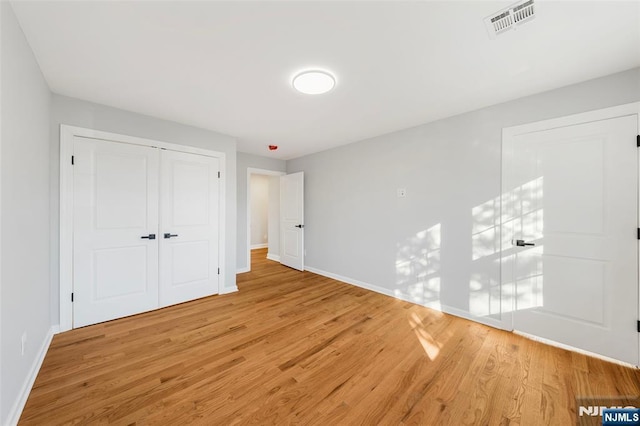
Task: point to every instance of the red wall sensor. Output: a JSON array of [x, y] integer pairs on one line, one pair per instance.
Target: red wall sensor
[[273, 147]]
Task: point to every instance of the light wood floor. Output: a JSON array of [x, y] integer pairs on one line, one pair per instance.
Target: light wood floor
[[298, 348]]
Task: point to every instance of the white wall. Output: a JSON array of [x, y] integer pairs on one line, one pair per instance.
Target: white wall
[[259, 210], [25, 191], [421, 247], [244, 162], [80, 113]]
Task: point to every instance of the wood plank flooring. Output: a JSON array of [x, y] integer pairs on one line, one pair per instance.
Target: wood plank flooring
[[298, 348]]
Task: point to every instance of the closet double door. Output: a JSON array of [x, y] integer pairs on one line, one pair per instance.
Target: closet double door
[[146, 229]]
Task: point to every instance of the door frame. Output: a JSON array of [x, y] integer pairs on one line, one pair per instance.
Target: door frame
[[67, 135], [509, 133], [254, 171]]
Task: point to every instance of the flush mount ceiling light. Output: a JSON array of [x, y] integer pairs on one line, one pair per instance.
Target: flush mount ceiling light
[[314, 82]]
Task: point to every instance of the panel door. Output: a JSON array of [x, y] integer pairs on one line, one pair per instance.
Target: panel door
[[292, 220], [189, 217], [571, 199], [115, 268]]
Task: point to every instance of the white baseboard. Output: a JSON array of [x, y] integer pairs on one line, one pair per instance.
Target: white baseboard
[[491, 322], [573, 349], [18, 405], [274, 257], [351, 281], [242, 270], [227, 290], [259, 246], [398, 295]]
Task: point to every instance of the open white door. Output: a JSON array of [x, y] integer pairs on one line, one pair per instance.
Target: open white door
[[569, 235], [292, 220], [189, 217], [115, 241]]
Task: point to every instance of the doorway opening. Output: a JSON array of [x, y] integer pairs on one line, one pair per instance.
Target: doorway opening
[[263, 213]]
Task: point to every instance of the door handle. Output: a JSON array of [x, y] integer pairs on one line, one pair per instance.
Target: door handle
[[521, 243], [168, 235], [149, 237], [300, 226]]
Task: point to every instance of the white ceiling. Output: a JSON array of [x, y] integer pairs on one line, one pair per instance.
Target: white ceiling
[[227, 66]]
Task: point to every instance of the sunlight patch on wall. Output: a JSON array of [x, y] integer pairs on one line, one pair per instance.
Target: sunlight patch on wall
[[484, 291], [522, 267], [418, 268], [486, 223], [484, 295], [522, 217]]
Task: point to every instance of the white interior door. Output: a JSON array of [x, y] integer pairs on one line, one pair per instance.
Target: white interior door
[[571, 192], [115, 245], [189, 267], [292, 220]]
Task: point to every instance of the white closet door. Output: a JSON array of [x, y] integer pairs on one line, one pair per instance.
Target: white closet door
[[115, 271], [189, 227]]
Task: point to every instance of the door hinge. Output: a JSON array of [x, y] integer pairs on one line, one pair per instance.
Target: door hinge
[[638, 140], [72, 297], [219, 172], [218, 271], [639, 233], [638, 326], [72, 160]]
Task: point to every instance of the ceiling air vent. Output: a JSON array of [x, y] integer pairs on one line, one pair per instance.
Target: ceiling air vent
[[511, 17]]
